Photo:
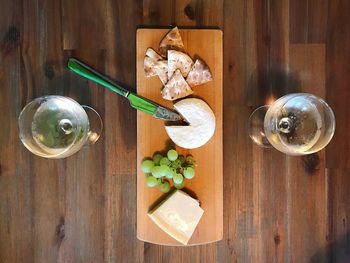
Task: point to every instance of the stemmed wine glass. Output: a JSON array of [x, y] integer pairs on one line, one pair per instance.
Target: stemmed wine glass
[[295, 124], [57, 127]]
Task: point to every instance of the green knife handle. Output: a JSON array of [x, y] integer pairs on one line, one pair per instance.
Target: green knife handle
[[88, 72]]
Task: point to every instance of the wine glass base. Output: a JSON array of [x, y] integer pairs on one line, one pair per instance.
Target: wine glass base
[[96, 124], [256, 127]]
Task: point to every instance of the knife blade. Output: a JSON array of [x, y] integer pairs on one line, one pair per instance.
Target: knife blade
[[136, 101]]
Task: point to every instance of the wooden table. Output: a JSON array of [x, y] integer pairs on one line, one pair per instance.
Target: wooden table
[[83, 209]]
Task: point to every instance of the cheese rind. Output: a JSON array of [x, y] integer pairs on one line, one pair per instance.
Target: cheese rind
[[178, 216]]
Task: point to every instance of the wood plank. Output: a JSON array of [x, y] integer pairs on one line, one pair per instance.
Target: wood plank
[[199, 13], [308, 21], [337, 81], [337, 247], [16, 213], [308, 61], [31, 196], [10, 76], [121, 244], [267, 46], [308, 205], [45, 209], [159, 13], [81, 202], [318, 18], [40, 249], [256, 63], [83, 25], [152, 137], [306, 175], [299, 21], [339, 217], [255, 203]]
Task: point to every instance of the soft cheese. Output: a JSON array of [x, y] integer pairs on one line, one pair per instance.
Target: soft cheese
[[178, 216], [202, 124]]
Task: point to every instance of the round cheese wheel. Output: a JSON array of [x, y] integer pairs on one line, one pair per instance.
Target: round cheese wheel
[[202, 124]]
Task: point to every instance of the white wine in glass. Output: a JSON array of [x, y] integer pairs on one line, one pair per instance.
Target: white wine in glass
[[57, 127], [295, 124]]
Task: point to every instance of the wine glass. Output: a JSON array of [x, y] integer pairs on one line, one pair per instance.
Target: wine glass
[[57, 127], [295, 124]]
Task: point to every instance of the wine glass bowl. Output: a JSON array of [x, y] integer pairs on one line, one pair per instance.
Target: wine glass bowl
[[295, 124], [55, 126]]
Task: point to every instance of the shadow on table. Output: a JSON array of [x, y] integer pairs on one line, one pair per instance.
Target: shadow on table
[[268, 84], [336, 251]]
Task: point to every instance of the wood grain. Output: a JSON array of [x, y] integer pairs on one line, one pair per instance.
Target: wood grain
[[308, 23], [337, 249], [83, 209], [120, 242], [307, 175], [151, 137], [308, 62], [84, 25], [337, 81]]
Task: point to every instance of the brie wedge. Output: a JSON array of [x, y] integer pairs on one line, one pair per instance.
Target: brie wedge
[[178, 216], [202, 124]]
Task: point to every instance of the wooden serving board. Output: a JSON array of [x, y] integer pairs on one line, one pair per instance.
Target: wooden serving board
[[152, 137]]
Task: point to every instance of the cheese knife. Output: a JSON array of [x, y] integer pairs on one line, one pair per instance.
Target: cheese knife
[[136, 101]]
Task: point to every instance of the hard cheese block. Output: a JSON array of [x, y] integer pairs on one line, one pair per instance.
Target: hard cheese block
[[178, 216]]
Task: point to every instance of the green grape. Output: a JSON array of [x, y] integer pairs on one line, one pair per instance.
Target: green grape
[[147, 166], [176, 164], [151, 181], [189, 159], [178, 178], [189, 173], [170, 174], [164, 161], [172, 155], [180, 186], [156, 171], [156, 158], [182, 159], [164, 170], [172, 166], [164, 186]]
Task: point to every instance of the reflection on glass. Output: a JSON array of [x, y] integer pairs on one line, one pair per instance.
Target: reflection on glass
[[57, 127], [295, 124]]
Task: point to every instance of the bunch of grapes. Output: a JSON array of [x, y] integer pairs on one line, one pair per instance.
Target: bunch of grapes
[[162, 169]]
